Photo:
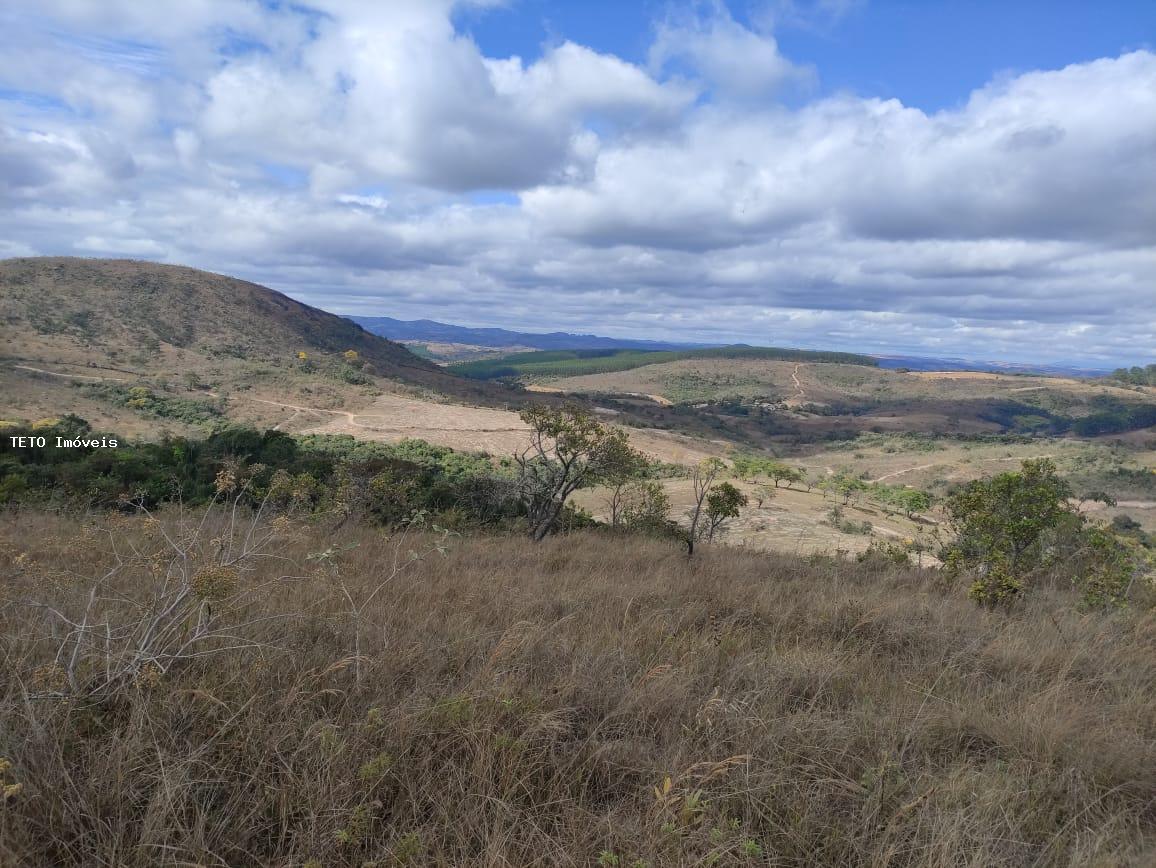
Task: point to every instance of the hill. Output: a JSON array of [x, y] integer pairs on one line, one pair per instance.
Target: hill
[[80, 333], [111, 310], [427, 330], [927, 363], [574, 363]]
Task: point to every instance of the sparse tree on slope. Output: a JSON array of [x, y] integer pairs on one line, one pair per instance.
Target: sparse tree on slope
[[722, 503], [713, 503], [568, 449], [623, 481], [703, 480], [645, 506]]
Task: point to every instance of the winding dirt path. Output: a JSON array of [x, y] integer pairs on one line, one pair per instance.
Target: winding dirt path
[[351, 419], [906, 470], [800, 392], [1020, 458], [895, 473], [68, 376]]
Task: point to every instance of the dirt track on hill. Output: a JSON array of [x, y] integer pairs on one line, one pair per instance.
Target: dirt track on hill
[[497, 432], [68, 376]]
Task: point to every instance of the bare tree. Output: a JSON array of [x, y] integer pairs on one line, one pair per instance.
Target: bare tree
[[702, 480]]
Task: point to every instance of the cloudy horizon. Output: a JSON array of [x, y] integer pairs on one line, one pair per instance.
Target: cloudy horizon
[[696, 172]]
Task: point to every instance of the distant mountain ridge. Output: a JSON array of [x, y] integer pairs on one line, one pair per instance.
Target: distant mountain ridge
[[926, 363], [439, 332]]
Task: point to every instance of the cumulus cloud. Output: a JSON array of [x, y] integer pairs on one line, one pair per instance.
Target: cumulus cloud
[[735, 61], [1027, 159], [371, 158]]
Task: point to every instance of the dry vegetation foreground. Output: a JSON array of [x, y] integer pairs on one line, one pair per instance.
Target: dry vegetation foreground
[[590, 700]]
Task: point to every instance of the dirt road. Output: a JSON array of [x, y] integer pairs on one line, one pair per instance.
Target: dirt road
[[800, 392], [68, 376]]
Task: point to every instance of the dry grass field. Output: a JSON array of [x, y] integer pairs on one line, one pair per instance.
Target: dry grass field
[[587, 701], [793, 521], [393, 417]]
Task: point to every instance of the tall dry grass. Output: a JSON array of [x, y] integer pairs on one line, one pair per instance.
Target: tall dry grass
[[590, 700]]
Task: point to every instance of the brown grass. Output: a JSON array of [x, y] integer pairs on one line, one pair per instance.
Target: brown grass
[[525, 705]]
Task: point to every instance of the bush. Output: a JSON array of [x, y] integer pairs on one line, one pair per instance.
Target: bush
[[336, 475], [1018, 527]]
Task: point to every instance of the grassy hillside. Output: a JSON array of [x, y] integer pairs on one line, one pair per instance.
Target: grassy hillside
[[573, 363], [79, 334], [142, 310], [587, 701]]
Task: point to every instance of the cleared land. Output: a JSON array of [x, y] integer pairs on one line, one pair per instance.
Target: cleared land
[[390, 418], [820, 383], [793, 520]]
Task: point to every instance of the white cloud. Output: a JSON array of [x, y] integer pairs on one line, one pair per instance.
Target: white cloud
[[368, 158], [1018, 161], [735, 61]]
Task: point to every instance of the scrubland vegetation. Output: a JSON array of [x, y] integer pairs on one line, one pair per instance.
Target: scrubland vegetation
[[325, 652], [1136, 375], [588, 700]]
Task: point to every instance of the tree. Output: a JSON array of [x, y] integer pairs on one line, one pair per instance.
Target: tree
[[568, 449], [722, 503], [713, 503], [764, 493], [645, 506], [702, 481], [779, 472], [912, 500], [623, 480], [750, 467], [842, 484], [1003, 519], [746, 467], [1011, 526]]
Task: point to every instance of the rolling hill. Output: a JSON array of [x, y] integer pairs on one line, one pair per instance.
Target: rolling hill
[[78, 334], [109, 309], [579, 362]]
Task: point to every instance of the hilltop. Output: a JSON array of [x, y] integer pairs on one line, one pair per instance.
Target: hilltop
[[79, 333], [115, 311]]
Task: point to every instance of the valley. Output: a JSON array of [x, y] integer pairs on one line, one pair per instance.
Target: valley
[[541, 434], [243, 355]]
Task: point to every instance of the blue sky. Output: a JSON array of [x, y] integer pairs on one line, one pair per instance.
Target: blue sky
[[971, 179], [928, 54]]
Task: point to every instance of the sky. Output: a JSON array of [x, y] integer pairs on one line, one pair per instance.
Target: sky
[[972, 179]]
